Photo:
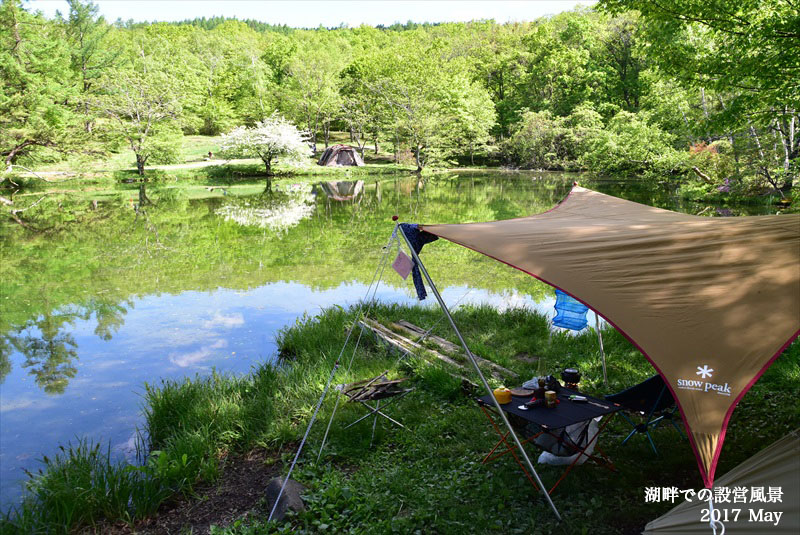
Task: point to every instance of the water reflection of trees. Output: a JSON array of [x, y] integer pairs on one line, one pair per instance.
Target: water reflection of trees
[[333, 242], [49, 350], [277, 211]]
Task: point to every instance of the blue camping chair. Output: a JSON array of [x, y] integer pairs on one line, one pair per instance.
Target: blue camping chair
[[653, 400]]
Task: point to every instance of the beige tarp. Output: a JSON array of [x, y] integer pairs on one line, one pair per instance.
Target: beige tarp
[[711, 302], [777, 466]]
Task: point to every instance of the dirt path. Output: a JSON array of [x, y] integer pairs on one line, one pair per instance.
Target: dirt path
[[204, 163], [238, 492]]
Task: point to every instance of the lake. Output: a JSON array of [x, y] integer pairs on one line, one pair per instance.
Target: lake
[[112, 300]]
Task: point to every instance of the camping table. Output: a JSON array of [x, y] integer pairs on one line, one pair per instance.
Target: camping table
[[551, 421]]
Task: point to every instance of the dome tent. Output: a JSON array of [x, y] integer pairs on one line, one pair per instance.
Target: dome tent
[[340, 155]]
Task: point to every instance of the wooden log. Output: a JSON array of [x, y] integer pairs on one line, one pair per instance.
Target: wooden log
[[405, 345], [449, 346]]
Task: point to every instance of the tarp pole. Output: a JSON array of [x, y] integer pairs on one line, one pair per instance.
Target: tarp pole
[[602, 351], [480, 373]]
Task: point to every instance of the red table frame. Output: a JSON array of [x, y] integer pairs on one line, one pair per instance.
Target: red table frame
[[601, 459]]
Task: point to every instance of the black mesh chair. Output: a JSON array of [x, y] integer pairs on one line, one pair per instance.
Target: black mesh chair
[[653, 401]]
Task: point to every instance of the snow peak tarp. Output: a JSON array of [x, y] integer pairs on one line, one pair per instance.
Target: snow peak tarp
[[776, 467], [711, 302]]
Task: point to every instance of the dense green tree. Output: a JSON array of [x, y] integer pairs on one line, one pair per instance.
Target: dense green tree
[[364, 111], [313, 98], [685, 74], [499, 63], [36, 88], [747, 53], [90, 55], [431, 101], [561, 67], [142, 107], [623, 62]]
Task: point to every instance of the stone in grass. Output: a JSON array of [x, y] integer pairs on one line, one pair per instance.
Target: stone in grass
[[290, 499]]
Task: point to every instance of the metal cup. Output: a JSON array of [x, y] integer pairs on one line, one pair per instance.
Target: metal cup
[[550, 399]]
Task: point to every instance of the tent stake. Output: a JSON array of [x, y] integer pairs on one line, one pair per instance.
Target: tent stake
[[480, 373], [602, 351]]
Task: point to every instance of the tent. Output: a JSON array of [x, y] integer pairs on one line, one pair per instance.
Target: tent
[[710, 302], [340, 155], [777, 466]]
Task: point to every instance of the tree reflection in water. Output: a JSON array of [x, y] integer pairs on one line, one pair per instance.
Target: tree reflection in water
[[49, 350]]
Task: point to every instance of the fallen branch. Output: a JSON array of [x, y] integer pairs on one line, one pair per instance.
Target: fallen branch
[[34, 173], [32, 205], [702, 175]]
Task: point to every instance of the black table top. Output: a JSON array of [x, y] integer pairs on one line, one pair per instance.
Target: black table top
[[565, 413]]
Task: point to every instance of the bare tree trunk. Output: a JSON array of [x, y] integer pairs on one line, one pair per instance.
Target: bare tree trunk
[[11, 155], [417, 157], [731, 139], [143, 198], [764, 164], [270, 174], [140, 161], [268, 165], [361, 142], [705, 110]]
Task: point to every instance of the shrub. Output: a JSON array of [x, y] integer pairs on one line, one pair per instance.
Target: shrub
[[631, 145], [543, 141], [166, 146], [539, 142], [714, 160]]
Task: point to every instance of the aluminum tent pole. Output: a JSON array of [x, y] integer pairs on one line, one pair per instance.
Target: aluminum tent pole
[[602, 351], [480, 373]]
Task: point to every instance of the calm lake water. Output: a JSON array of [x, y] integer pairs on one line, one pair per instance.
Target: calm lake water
[[90, 314]]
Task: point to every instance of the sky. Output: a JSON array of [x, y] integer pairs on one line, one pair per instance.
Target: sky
[[312, 13]]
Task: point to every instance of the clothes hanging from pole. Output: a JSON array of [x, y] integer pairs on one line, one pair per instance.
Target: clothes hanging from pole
[[417, 239]]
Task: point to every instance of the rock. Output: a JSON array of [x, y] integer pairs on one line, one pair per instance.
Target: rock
[[290, 499]]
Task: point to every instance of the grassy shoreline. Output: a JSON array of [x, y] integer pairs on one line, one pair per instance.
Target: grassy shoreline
[[115, 174], [425, 479]]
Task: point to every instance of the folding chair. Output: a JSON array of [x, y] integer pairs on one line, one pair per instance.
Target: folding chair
[[651, 399], [375, 390]]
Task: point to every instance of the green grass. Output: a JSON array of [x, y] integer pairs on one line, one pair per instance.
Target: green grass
[[426, 479], [80, 486]]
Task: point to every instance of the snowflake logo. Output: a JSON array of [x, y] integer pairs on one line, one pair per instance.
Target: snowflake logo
[[704, 372]]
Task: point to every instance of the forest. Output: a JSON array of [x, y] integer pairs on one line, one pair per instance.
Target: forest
[[703, 93]]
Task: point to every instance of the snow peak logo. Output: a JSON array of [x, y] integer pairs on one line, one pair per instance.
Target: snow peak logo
[[703, 386]]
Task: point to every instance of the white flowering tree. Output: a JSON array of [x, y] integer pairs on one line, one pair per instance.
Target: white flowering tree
[[272, 139]]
